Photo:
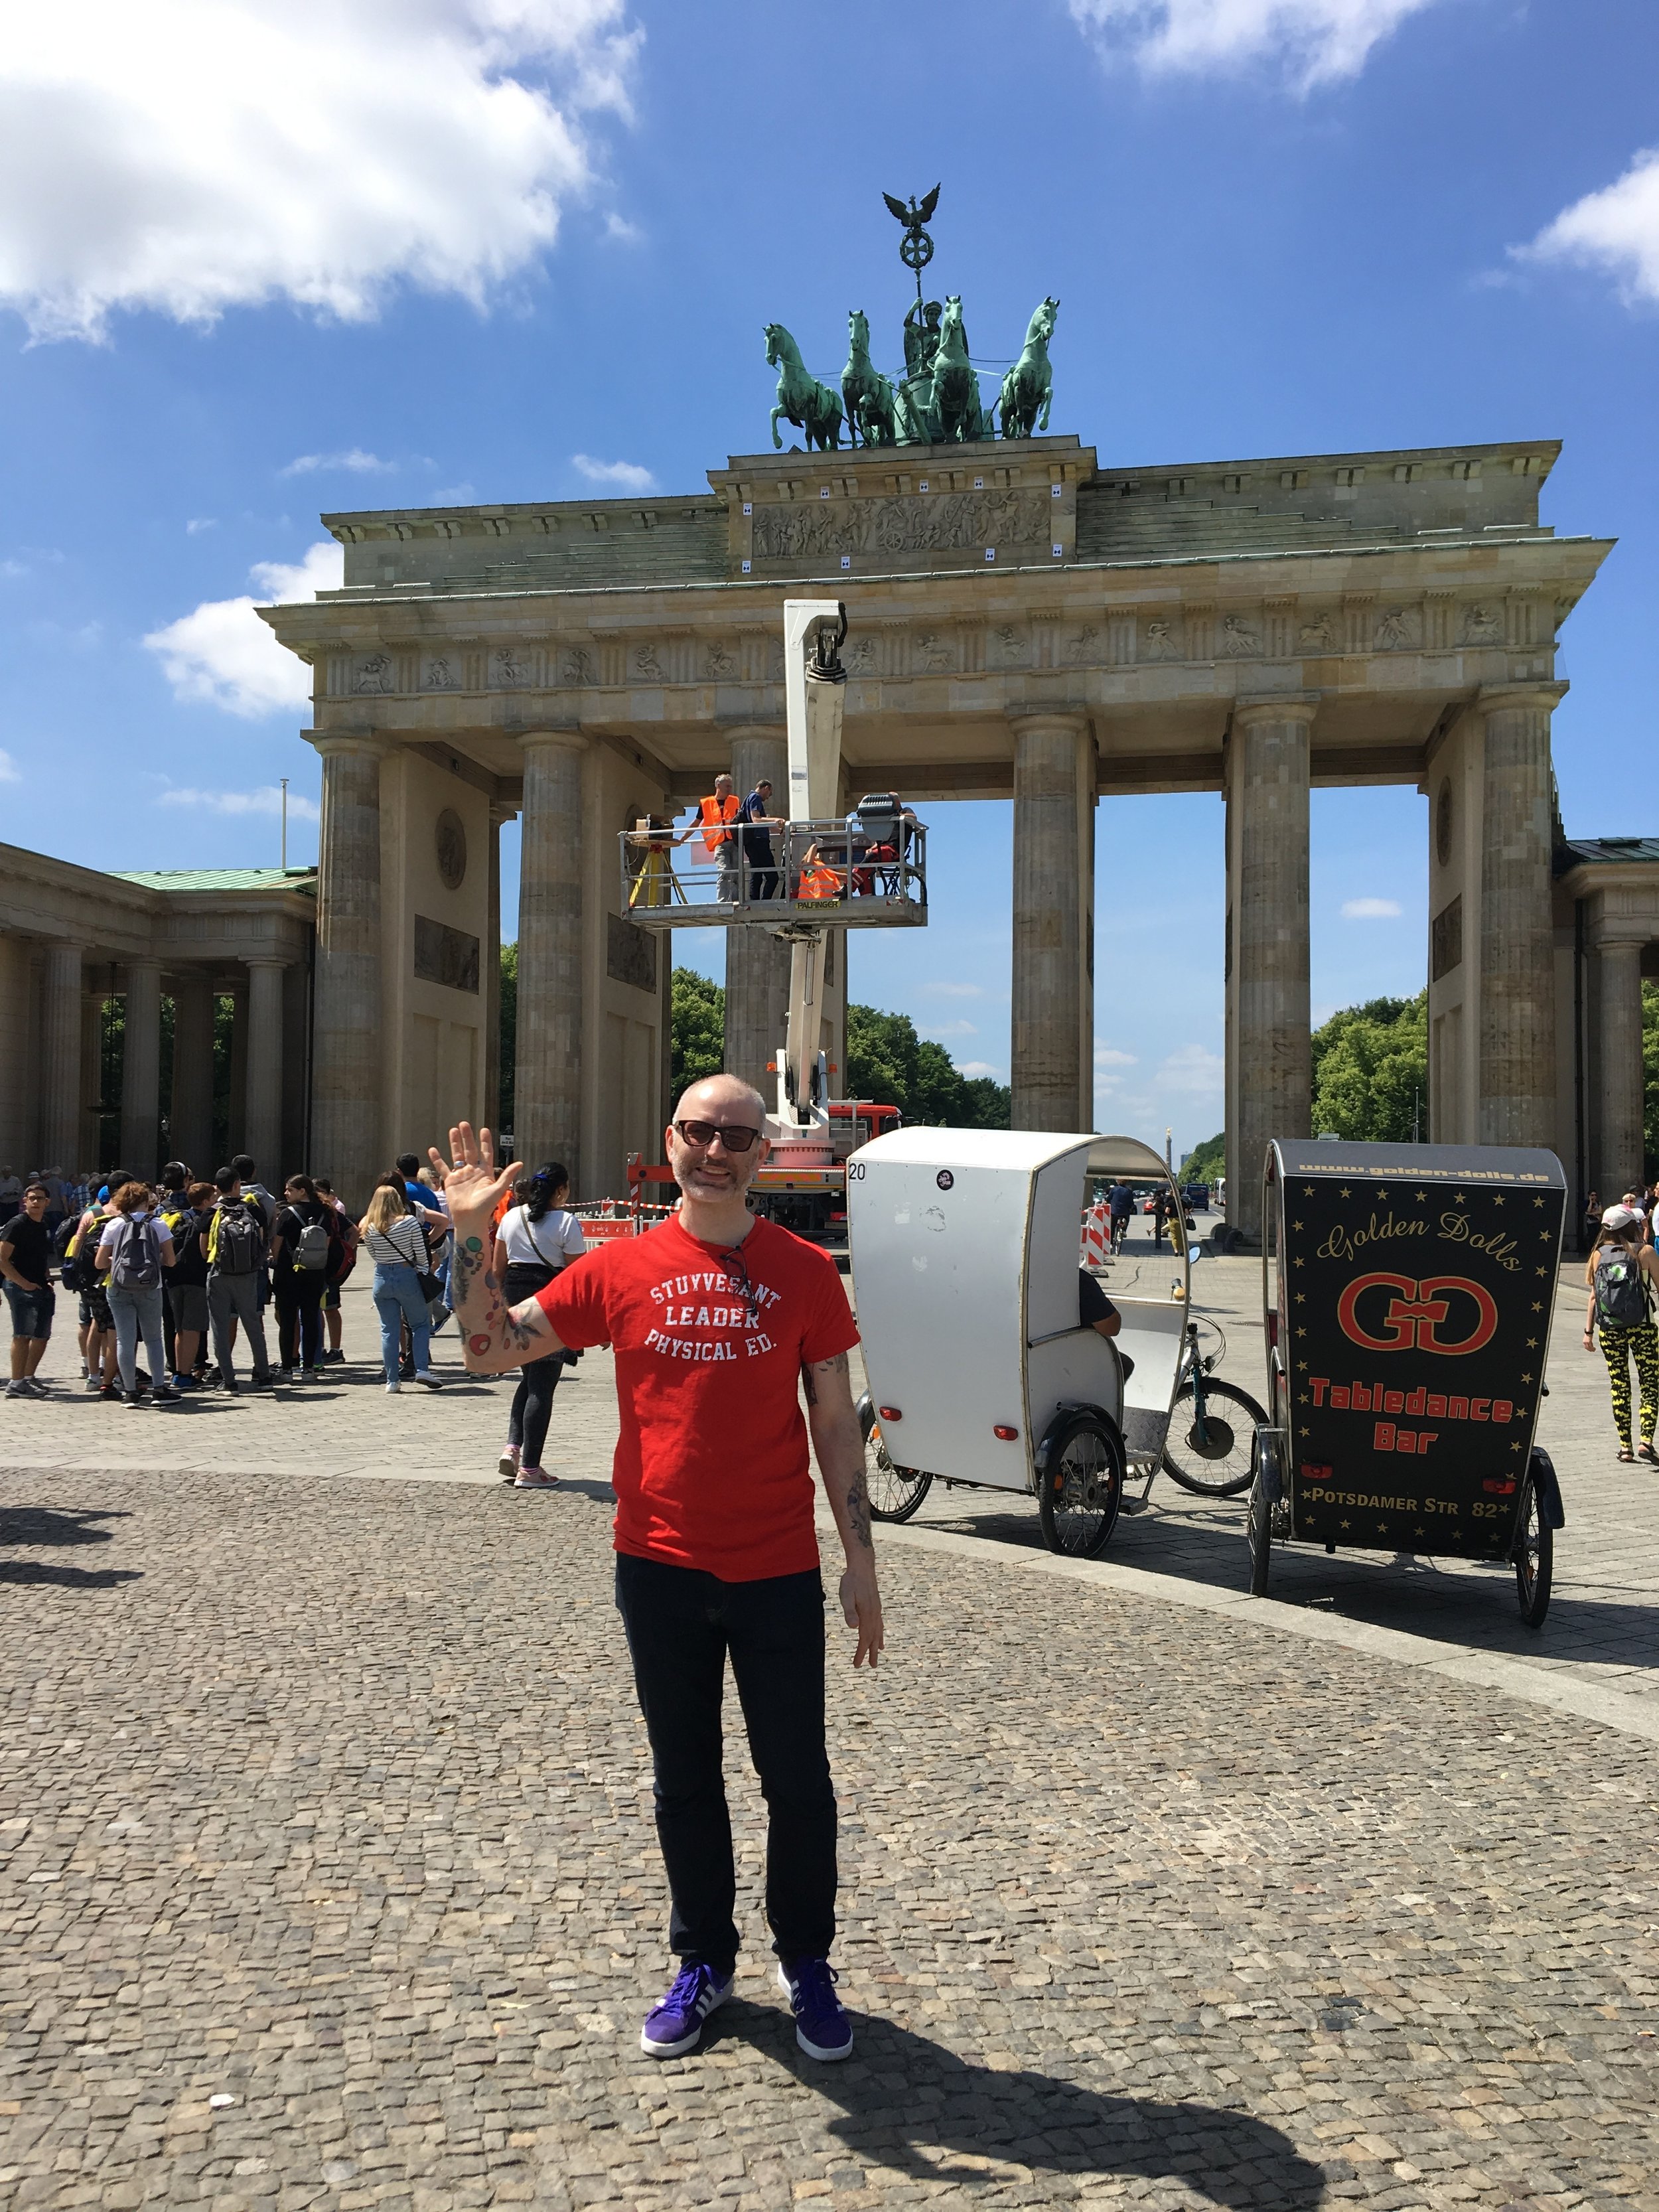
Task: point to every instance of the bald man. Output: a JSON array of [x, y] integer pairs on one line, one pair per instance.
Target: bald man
[[719, 1322]]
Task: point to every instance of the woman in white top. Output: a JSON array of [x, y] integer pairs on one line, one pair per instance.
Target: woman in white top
[[535, 1240], [397, 1245]]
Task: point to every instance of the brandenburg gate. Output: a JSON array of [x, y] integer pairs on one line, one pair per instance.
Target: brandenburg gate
[[1024, 623]]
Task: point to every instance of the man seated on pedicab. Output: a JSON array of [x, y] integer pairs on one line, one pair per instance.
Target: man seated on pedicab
[[1095, 1310]]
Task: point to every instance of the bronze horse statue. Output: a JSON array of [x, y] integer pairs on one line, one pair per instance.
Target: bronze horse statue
[[956, 403], [1028, 386], [810, 406], [865, 393]]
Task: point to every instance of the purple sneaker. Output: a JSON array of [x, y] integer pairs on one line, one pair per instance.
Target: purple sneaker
[[822, 2027], [674, 2026]]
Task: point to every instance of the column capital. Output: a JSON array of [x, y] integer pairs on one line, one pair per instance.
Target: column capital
[[266, 960], [1494, 698], [1048, 718], [348, 744], [502, 812], [571, 740], [1281, 707]]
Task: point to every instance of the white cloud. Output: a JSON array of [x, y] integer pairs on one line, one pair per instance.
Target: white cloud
[[956, 990], [267, 800], [1372, 909], [1108, 1056], [356, 460], [222, 655], [192, 156], [198, 523], [950, 1030], [460, 495], [9, 771], [629, 475], [978, 1067], [1310, 41], [1192, 1071], [1615, 230]]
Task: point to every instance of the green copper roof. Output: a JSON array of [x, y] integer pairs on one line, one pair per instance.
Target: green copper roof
[[219, 879]]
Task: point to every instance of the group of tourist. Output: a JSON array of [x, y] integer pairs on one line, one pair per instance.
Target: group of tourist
[[181, 1267]]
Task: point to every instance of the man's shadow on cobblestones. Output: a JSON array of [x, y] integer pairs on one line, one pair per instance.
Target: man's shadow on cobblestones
[[43, 1526], [901, 2090]]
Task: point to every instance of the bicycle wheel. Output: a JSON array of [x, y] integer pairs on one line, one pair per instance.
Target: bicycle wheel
[[895, 1493], [1081, 1488], [1215, 1458], [1533, 1557]]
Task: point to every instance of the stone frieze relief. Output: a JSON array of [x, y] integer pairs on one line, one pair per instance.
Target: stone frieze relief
[[905, 523]]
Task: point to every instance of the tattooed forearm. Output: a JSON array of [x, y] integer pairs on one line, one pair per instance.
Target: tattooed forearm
[[858, 1513], [809, 1386]]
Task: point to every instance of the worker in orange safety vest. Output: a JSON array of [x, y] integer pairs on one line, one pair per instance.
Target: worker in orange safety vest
[[817, 879], [719, 843]]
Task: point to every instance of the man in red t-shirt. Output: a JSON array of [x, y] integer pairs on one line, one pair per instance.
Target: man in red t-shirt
[[717, 1322]]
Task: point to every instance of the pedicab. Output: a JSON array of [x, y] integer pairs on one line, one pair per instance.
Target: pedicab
[[1407, 1292], [965, 1249]]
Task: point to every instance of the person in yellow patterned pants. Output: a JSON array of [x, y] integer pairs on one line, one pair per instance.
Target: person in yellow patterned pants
[[1620, 1273]]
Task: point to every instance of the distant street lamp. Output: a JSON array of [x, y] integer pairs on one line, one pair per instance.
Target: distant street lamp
[[284, 825]]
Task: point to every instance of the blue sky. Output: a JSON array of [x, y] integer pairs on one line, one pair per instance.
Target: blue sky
[[258, 261]]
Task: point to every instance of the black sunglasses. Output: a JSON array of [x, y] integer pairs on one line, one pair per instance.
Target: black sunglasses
[[735, 1136], [737, 1278]]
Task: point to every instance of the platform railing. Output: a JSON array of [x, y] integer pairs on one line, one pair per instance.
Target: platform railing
[[832, 871]]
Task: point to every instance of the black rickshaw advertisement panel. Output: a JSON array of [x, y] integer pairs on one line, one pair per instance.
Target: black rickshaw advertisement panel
[[1418, 1316]]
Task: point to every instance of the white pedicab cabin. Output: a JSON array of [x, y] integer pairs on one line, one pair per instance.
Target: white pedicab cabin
[[965, 1249]]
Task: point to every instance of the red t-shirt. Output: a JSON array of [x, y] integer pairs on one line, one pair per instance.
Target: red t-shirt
[[712, 1468]]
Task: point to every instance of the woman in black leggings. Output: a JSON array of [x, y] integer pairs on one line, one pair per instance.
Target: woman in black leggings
[[534, 1241]]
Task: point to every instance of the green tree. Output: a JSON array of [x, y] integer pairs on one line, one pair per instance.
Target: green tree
[[1371, 1071], [1650, 1079], [509, 1037], [888, 1063], [1208, 1161], [697, 1019]]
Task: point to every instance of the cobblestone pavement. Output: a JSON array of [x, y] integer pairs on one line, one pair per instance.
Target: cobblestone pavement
[[329, 1880]]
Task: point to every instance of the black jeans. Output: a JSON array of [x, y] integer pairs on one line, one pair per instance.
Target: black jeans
[[532, 1407], [299, 1295], [681, 1625]]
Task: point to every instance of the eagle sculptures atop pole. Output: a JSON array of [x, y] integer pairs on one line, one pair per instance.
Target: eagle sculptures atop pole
[[916, 248]]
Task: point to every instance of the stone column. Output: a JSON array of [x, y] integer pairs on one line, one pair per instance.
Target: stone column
[[140, 1070], [236, 1116], [61, 1073], [1053, 1029], [547, 1105], [1619, 1160], [756, 963], [1270, 1067], [263, 1127], [1518, 945], [191, 1114], [499, 815], [346, 1041]]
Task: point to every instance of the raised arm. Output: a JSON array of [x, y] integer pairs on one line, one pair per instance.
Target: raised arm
[[839, 1443], [493, 1337]]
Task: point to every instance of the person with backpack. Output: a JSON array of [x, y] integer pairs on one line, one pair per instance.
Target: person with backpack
[[345, 1259], [535, 1241], [303, 1252], [134, 1252], [1621, 1271], [187, 1292], [77, 1251], [235, 1245]]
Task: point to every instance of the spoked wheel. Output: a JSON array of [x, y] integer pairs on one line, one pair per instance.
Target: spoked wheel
[[1263, 1495], [895, 1493], [1533, 1556], [1216, 1456], [1081, 1487]]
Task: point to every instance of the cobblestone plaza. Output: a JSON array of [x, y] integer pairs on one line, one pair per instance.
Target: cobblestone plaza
[[330, 1876]]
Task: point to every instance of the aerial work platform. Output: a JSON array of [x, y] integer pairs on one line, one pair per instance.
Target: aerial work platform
[[867, 870]]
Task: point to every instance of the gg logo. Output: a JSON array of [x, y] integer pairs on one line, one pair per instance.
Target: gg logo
[[1412, 1317]]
